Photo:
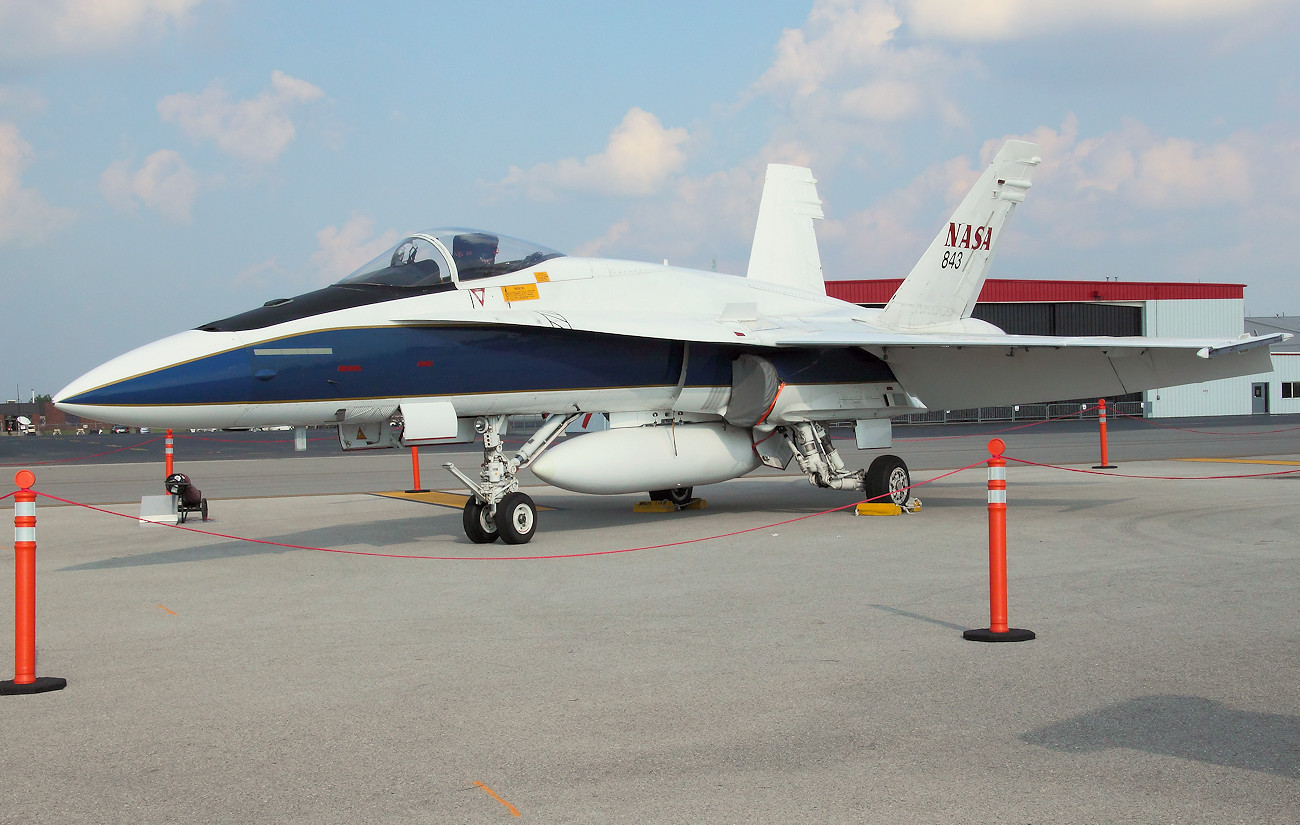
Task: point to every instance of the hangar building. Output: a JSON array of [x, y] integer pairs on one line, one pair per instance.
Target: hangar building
[[1170, 310]]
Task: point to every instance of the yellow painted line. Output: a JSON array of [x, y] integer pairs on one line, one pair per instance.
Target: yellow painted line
[[492, 794], [1243, 461], [167, 610], [441, 499], [432, 497]]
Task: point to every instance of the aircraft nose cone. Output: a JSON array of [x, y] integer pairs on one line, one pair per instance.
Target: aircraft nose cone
[[162, 383]]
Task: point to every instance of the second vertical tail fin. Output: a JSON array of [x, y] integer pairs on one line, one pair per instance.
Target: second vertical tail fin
[[785, 247]]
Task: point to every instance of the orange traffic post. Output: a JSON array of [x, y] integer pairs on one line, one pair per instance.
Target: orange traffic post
[[1101, 425], [167, 454], [998, 629], [415, 471], [25, 680]]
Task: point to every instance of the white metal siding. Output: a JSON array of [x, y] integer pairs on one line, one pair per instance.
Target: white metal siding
[[1200, 319], [1286, 367]]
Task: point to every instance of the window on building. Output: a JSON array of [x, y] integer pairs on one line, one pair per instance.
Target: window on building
[[1291, 389]]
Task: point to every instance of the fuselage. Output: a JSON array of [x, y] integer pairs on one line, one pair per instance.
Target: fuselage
[[356, 352]]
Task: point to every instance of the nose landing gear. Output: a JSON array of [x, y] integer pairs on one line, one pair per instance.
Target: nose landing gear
[[496, 508]]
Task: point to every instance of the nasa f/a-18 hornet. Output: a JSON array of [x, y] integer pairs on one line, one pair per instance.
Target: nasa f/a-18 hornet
[[703, 377]]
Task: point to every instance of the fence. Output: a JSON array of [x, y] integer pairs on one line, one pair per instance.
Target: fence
[[1025, 412], [975, 415]]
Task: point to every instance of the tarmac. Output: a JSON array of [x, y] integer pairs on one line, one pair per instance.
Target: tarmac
[[723, 665]]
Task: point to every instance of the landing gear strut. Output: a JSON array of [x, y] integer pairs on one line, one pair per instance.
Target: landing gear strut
[[496, 508], [886, 480]]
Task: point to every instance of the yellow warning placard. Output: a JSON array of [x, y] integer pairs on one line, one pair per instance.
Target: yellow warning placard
[[542, 277], [520, 292]]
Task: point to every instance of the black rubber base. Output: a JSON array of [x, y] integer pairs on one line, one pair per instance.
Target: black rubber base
[[1105, 467], [43, 684], [417, 491], [1013, 634]]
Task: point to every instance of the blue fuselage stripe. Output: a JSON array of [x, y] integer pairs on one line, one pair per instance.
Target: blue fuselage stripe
[[393, 362]]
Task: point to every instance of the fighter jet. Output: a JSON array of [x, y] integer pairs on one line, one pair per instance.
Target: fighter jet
[[702, 376]]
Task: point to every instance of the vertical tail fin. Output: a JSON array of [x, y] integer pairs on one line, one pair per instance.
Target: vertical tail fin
[[785, 246], [943, 286]]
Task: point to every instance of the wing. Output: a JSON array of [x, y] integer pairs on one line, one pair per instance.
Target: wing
[[943, 370], [976, 370]]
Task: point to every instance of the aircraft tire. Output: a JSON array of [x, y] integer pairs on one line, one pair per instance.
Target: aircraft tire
[[677, 495], [478, 526], [516, 518], [887, 481]]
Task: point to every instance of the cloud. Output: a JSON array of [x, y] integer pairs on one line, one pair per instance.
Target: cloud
[[856, 70], [885, 239], [837, 36], [1135, 167], [640, 156], [257, 130], [22, 99], [1127, 189], [696, 221], [48, 28], [610, 240], [261, 274], [994, 20], [25, 217], [846, 69], [164, 183], [883, 100], [1171, 173], [342, 249]]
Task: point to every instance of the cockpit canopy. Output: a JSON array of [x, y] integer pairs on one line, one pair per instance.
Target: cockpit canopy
[[428, 259], [422, 263]]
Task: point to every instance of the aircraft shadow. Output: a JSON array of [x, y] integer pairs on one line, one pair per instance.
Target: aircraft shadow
[[362, 536], [443, 536], [1186, 727]]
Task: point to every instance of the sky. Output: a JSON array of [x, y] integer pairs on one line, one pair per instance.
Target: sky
[[166, 163]]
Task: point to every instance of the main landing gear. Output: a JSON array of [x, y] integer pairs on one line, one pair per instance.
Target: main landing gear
[[497, 509], [886, 481], [678, 496]]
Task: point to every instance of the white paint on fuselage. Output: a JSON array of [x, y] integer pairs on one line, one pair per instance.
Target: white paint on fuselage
[[622, 290]]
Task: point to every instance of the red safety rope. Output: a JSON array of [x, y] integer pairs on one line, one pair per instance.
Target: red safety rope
[[1205, 432], [652, 546], [493, 558], [1075, 415], [250, 441], [1153, 478], [80, 457]]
